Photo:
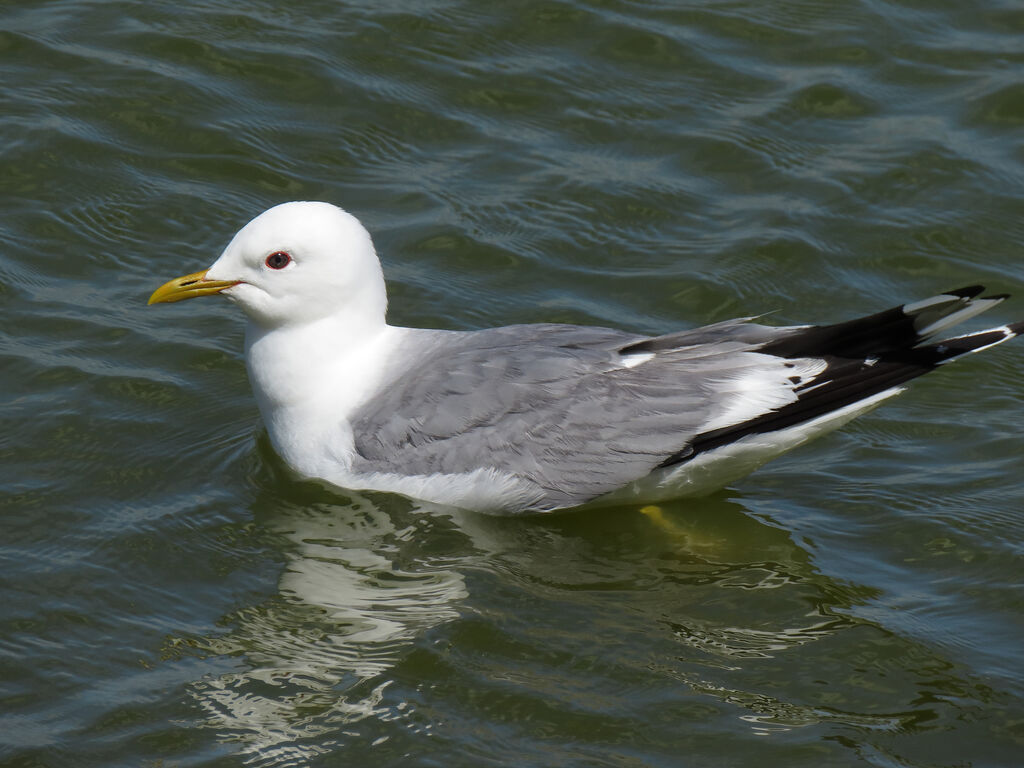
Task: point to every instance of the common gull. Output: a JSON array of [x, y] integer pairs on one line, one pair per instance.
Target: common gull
[[537, 418]]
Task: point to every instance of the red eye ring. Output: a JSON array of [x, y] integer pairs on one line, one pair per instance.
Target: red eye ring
[[278, 260]]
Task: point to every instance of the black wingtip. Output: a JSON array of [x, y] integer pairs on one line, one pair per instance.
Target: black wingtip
[[967, 292]]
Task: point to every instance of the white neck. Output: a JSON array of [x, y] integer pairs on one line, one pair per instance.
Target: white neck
[[308, 379]]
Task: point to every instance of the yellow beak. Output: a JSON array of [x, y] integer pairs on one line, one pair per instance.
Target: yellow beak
[[188, 287]]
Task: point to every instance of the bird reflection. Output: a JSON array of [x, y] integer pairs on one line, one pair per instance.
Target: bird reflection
[[387, 614], [317, 654]]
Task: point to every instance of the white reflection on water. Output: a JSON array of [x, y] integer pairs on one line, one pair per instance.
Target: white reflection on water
[[699, 595], [316, 657]]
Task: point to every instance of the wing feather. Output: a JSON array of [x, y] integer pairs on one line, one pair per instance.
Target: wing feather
[[576, 412]]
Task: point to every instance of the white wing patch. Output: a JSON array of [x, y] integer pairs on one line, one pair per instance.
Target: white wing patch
[[760, 389], [633, 359], [975, 307], [711, 470]]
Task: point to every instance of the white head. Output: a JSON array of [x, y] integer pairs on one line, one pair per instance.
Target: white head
[[295, 263]]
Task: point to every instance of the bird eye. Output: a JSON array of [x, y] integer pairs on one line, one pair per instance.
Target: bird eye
[[278, 260]]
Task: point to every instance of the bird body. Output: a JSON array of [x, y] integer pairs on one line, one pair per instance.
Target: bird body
[[536, 418]]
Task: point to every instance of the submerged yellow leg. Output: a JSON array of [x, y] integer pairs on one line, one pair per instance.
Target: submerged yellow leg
[[684, 532], [654, 512], [657, 516]]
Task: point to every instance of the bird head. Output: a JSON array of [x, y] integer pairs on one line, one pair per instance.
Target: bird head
[[295, 263]]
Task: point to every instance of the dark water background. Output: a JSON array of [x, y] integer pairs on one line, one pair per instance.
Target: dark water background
[[171, 597]]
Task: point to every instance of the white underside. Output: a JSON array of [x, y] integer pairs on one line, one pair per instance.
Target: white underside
[[490, 490], [712, 470], [484, 490]]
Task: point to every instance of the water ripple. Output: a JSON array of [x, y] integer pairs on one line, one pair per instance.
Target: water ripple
[[173, 595]]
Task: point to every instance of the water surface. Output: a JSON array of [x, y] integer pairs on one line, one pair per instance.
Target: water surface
[[171, 596]]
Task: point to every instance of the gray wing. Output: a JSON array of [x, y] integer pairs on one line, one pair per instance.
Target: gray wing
[[577, 412], [567, 409]]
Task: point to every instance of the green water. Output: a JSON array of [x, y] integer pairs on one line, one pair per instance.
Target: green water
[[172, 597]]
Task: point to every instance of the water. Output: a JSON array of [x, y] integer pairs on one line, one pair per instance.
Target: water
[[172, 597]]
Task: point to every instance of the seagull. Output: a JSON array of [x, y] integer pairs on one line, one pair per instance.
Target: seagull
[[542, 417]]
